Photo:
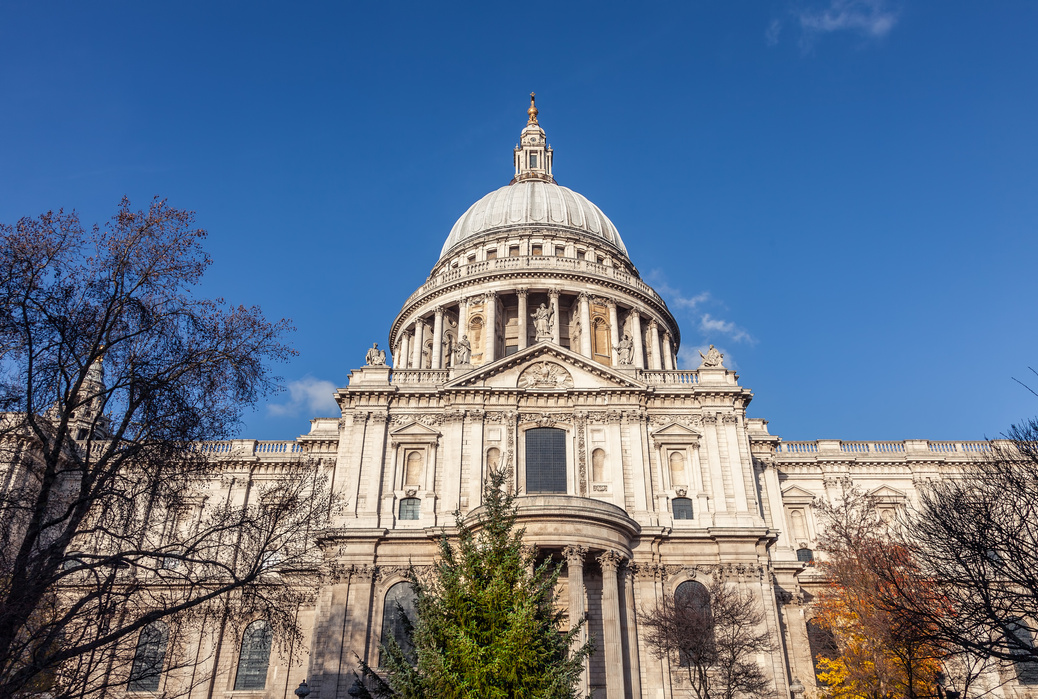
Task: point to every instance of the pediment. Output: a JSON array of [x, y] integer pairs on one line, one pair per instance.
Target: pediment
[[414, 431], [675, 433], [797, 495], [885, 493], [545, 367]]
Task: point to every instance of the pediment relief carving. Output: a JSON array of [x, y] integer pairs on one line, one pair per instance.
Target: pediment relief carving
[[545, 376]]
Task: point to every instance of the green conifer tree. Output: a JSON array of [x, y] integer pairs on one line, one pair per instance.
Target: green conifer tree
[[486, 624]]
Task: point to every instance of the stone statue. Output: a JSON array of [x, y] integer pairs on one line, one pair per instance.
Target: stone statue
[[375, 356], [463, 351], [712, 359], [625, 351], [543, 321]]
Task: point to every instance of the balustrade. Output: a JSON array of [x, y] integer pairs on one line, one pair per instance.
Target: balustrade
[[412, 377], [670, 378], [884, 448]]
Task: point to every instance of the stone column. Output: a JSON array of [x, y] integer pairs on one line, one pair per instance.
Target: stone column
[[654, 343], [490, 331], [636, 335], [437, 348], [463, 318], [556, 328], [631, 617], [400, 361], [419, 340], [612, 639], [524, 318], [668, 353], [585, 324], [575, 581], [614, 332]]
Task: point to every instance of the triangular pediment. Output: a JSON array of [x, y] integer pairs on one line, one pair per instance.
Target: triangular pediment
[[796, 494], [885, 492], [675, 429], [545, 367], [414, 429]]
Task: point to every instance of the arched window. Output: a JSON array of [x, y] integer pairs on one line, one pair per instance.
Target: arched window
[[149, 658], [397, 615], [254, 657], [805, 555], [682, 508], [413, 469], [598, 465], [692, 603], [677, 469], [545, 460], [493, 459], [410, 508], [799, 527]]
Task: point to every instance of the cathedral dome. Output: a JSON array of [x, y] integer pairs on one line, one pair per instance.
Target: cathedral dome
[[534, 204]]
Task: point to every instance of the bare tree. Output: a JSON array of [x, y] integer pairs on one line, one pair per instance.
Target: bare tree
[[713, 633], [977, 534], [112, 370]]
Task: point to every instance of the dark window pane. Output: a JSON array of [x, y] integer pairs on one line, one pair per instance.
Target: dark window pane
[[148, 659], [397, 616], [1026, 670], [410, 508], [254, 657], [805, 555], [682, 508], [822, 643], [545, 460]]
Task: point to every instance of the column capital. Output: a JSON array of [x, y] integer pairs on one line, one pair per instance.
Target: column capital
[[490, 295], [634, 313], [584, 296], [611, 561], [610, 302], [666, 335], [419, 321], [575, 555], [438, 310], [553, 293], [652, 324], [629, 571], [522, 291]]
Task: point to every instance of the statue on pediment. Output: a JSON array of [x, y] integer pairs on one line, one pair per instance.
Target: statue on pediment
[[375, 356], [712, 359], [543, 321], [625, 351], [463, 351]]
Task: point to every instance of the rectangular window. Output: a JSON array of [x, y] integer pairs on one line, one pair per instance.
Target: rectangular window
[[410, 508], [536, 250], [511, 349], [545, 460], [560, 251], [513, 251], [533, 160], [492, 254], [682, 508]]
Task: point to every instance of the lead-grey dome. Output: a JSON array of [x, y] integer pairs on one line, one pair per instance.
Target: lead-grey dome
[[533, 204]]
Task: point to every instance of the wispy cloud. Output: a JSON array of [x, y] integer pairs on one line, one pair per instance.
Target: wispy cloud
[[771, 35], [307, 397], [709, 325], [871, 18]]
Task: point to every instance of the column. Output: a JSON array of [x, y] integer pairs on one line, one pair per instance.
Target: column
[[614, 331], [636, 335], [524, 317], [437, 348], [490, 331], [632, 630], [463, 318], [612, 641], [668, 353], [419, 340], [400, 361], [575, 572], [654, 343], [556, 327], [585, 325]]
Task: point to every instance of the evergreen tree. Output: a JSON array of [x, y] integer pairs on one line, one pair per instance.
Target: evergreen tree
[[486, 624]]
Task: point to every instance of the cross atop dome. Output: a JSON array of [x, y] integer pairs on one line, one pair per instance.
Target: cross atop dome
[[533, 155]]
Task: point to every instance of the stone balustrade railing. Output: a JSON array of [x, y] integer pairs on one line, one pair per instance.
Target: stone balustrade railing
[[910, 446], [250, 447], [434, 377], [426, 377], [669, 378], [534, 262]]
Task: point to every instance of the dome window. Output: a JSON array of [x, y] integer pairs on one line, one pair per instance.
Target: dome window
[[537, 250], [533, 160], [513, 251]]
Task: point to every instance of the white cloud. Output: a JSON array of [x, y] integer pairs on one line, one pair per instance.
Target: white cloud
[[708, 324], [689, 303], [771, 36], [871, 18], [308, 397]]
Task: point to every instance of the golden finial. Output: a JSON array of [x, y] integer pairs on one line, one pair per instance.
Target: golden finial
[[532, 111]]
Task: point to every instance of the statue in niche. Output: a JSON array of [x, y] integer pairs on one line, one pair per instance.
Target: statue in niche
[[543, 321], [625, 351], [712, 359], [375, 356], [463, 351]]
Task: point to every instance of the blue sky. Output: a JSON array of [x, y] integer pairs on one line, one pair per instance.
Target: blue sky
[[840, 194]]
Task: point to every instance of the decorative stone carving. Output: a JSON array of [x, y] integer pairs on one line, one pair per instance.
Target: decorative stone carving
[[729, 420], [543, 322], [463, 352], [375, 356], [581, 424], [625, 350], [545, 375], [611, 561], [712, 359], [575, 554]]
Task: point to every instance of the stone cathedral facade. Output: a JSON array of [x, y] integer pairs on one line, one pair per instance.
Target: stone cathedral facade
[[535, 346]]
